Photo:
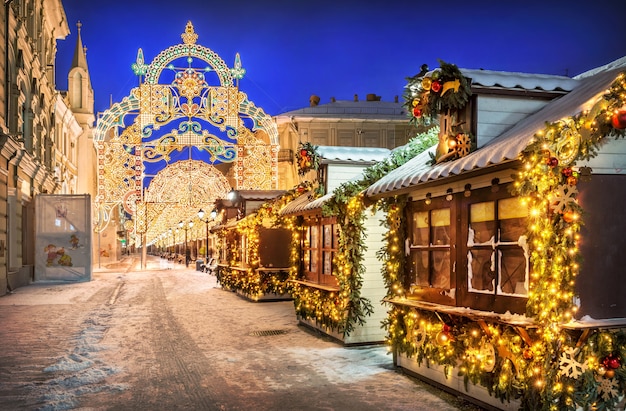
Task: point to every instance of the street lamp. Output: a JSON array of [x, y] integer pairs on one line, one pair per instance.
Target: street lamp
[[211, 217], [206, 243], [182, 225], [173, 241]]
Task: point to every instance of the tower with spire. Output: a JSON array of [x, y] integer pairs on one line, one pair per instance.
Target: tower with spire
[[80, 98], [80, 93]]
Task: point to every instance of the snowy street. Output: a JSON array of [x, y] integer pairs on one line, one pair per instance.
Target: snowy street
[[169, 337]]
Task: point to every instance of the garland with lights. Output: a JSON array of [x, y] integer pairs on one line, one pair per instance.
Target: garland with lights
[[548, 183], [251, 282], [348, 207], [545, 366]]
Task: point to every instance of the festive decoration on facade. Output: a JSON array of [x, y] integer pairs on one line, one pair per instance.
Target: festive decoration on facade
[[546, 366], [307, 158], [440, 91]]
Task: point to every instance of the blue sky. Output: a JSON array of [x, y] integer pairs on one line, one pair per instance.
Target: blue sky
[[293, 49]]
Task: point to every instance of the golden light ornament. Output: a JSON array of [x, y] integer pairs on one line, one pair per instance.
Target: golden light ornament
[[426, 83], [442, 338]]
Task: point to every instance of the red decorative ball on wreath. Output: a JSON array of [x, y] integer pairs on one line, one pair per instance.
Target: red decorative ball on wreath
[[611, 362], [553, 162], [528, 354], [435, 87], [417, 112], [619, 119]]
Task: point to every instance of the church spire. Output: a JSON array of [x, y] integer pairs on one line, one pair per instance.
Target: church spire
[[80, 52]]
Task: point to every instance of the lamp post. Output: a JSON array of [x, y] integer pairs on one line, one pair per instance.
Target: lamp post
[[206, 243], [211, 217], [184, 227], [173, 241]]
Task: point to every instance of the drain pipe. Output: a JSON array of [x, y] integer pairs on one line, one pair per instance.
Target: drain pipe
[[6, 272], [7, 80]]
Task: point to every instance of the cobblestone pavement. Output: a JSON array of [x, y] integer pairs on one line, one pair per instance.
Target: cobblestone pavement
[[169, 338]]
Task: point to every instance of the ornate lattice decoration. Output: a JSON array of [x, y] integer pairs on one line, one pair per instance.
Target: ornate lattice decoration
[[182, 189], [187, 111], [252, 167]]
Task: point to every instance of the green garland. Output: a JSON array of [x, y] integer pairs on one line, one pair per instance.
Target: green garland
[[548, 182]]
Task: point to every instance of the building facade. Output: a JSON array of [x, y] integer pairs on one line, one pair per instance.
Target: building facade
[[41, 138], [366, 123]]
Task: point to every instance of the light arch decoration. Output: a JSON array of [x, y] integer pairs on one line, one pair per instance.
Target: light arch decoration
[[187, 118]]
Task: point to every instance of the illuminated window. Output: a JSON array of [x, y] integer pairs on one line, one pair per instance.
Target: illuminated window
[[320, 246], [496, 260], [430, 248]]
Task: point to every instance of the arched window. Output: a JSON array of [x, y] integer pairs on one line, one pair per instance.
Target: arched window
[[77, 90]]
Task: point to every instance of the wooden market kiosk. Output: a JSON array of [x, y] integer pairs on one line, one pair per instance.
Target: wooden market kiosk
[[322, 279], [254, 253], [505, 296]]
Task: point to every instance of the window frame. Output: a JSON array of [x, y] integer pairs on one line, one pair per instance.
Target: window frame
[[459, 294], [321, 252], [480, 300], [430, 293]]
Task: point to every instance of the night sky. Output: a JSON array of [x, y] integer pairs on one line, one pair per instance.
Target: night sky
[[293, 49]]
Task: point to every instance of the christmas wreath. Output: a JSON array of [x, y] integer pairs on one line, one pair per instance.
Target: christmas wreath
[[307, 157], [430, 93]]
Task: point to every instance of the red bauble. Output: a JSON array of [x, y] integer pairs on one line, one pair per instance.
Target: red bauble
[[417, 112], [527, 354], [303, 153], [435, 87], [553, 162], [613, 363], [619, 119], [567, 172], [569, 216]]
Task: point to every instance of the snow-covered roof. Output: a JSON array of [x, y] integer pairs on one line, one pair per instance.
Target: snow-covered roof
[[371, 110], [306, 202], [355, 154], [504, 148], [525, 81]]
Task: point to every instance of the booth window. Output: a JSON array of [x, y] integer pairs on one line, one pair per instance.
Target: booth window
[[497, 263], [320, 246], [431, 248], [469, 250], [431, 261]]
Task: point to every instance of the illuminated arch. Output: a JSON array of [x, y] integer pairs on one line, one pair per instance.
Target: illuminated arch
[[184, 122]]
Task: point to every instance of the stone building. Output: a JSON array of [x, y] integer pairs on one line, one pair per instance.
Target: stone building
[[41, 139], [368, 122]]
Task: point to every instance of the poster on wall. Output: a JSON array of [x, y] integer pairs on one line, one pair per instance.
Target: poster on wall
[[63, 237]]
